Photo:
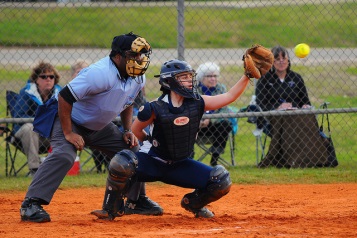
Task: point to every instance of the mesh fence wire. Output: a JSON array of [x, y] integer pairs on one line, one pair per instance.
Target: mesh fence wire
[[66, 31]]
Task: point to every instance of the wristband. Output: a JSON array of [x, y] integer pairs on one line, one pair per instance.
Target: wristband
[[128, 130]]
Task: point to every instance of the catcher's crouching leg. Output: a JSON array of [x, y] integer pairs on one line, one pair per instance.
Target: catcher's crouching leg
[[219, 185], [121, 170]]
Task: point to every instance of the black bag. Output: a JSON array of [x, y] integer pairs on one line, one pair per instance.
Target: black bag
[[327, 141]]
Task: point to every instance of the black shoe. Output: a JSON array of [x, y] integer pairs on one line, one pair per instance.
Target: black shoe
[[105, 215], [201, 212], [31, 210], [143, 206]]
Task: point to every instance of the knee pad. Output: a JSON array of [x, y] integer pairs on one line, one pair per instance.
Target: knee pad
[[219, 182], [122, 168], [219, 185]]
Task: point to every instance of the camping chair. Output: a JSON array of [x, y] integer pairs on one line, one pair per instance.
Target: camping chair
[[203, 142], [11, 166], [259, 133]]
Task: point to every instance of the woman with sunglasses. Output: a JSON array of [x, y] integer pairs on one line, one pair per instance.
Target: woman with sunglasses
[[42, 85]]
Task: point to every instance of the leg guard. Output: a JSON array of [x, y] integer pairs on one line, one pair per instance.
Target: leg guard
[[219, 185], [121, 171]]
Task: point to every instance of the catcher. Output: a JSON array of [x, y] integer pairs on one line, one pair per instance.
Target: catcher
[[174, 120]]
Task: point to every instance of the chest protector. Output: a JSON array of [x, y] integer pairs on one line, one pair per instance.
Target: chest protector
[[175, 129]]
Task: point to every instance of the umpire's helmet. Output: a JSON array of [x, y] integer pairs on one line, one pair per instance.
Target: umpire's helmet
[[129, 46], [169, 70]]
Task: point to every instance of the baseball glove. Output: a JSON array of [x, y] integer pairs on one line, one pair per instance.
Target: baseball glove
[[257, 61]]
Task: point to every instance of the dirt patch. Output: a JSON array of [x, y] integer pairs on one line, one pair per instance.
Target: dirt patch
[[247, 211]]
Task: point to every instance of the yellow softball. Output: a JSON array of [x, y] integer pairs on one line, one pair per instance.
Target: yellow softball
[[302, 50]]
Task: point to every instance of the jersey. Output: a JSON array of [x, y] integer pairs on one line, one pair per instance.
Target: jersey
[[175, 129], [101, 94]]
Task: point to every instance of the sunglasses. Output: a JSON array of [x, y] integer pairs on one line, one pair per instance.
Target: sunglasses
[[46, 76]]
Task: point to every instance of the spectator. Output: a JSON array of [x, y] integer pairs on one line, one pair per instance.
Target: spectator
[[208, 76], [78, 66], [280, 88], [42, 85]]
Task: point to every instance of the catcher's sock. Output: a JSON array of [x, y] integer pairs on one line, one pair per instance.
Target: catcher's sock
[[201, 212], [31, 210], [143, 206]]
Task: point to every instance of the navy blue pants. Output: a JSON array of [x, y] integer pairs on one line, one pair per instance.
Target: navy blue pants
[[187, 173]]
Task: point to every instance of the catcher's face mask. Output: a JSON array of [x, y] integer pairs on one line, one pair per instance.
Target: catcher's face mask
[[178, 76], [138, 57]]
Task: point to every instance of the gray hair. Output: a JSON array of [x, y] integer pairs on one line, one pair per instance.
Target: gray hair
[[206, 68], [79, 64]]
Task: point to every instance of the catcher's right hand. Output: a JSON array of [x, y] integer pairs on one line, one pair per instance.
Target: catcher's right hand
[[258, 60]]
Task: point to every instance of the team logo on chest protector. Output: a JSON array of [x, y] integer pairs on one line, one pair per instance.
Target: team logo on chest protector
[[181, 121]]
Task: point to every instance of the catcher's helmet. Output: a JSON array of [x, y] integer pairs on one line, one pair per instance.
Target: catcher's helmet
[[129, 46], [169, 70]]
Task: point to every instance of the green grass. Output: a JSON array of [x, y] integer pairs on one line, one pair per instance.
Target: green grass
[[240, 175], [323, 25]]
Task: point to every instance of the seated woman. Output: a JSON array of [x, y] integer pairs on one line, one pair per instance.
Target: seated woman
[[291, 137], [280, 88], [42, 85], [208, 74]]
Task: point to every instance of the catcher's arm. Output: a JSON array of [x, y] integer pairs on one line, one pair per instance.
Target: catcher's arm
[[221, 100]]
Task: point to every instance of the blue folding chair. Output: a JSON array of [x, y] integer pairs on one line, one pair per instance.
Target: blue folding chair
[[11, 166]]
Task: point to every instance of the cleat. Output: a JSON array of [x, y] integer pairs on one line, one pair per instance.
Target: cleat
[[105, 215], [198, 212], [32, 211], [143, 206]]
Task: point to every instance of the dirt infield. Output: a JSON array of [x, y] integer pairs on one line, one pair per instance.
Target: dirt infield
[[247, 211]]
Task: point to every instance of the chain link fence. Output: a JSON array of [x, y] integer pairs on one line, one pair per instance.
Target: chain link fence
[[66, 31]]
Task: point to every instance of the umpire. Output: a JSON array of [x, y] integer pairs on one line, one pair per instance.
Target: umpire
[[86, 108]]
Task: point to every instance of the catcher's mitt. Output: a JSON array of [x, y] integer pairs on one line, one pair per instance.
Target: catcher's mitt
[[257, 61]]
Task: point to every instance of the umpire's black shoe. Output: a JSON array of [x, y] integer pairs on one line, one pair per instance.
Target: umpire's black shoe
[[32, 211], [143, 206], [202, 212]]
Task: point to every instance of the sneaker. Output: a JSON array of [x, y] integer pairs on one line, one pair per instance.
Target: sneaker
[[143, 206], [104, 215], [32, 211], [201, 212]]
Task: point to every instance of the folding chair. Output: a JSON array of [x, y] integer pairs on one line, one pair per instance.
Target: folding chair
[[203, 142], [259, 133], [11, 167]]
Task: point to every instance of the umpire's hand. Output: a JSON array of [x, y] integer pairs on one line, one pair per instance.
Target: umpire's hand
[[130, 139], [76, 140]]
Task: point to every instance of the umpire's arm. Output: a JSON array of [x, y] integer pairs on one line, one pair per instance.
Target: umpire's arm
[[64, 113], [126, 117]]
